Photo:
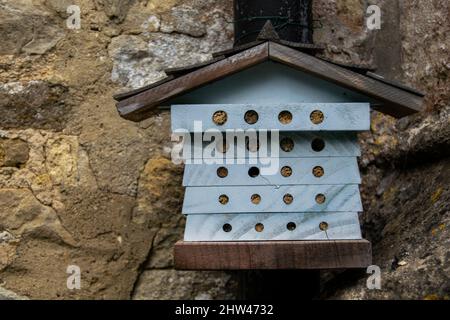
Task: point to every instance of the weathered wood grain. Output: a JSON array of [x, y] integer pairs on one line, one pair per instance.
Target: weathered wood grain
[[140, 106], [183, 70], [302, 46], [273, 255], [396, 102], [128, 94], [394, 83], [336, 144], [337, 170], [236, 49], [341, 226], [337, 117], [205, 200]]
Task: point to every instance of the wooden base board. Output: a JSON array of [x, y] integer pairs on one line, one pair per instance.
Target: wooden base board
[[341, 254]]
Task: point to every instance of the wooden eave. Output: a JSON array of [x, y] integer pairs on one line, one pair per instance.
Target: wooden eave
[[394, 99]]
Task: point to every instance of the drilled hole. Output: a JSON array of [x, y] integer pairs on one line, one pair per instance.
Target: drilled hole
[[251, 117], [252, 144], [320, 198], [256, 199], [323, 226], [222, 172], [288, 198], [317, 117], [286, 171], [253, 172], [318, 172], [223, 199], [285, 117], [227, 227], [220, 118], [259, 227], [291, 226], [287, 144], [318, 144]]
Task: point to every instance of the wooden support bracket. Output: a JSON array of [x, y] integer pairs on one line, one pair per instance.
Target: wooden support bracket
[[276, 255]]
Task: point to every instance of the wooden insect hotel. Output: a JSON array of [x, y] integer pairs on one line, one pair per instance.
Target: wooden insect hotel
[[281, 188]]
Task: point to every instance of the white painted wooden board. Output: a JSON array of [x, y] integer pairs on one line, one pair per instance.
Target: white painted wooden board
[[337, 117], [343, 170], [336, 144], [205, 200], [341, 226]]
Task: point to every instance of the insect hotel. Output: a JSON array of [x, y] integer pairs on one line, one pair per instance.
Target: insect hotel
[[280, 187]]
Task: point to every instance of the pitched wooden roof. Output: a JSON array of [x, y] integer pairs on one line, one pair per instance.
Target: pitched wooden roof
[[394, 99]]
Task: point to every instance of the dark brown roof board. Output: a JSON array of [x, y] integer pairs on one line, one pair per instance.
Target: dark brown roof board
[[237, 49], [125, 95], [394, 83], [183, 70]]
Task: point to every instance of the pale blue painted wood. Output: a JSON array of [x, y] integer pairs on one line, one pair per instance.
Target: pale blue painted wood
[[341, 226], [337, 144], [337, 117], [203, 200], [343, 170], [270, 88], [270, 82]]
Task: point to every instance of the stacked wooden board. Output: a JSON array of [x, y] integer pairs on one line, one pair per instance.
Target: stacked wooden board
[[235, 194]]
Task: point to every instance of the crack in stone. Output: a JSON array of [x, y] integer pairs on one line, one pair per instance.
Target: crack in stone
[[141, 267]]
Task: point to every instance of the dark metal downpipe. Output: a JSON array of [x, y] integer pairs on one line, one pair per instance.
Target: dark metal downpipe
[[292, 19]]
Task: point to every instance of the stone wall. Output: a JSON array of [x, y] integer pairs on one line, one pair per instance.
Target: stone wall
[[81, 186]]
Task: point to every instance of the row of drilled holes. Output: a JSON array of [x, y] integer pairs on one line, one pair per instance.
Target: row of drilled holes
[[286, 144], [286, 172], [251, 117], [256, 199], [291, 226]]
